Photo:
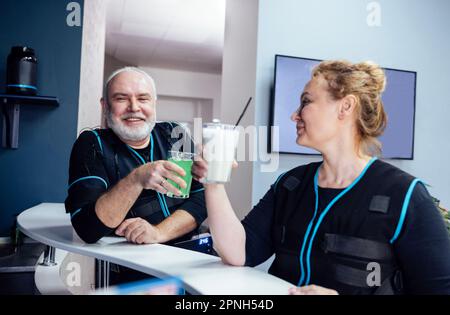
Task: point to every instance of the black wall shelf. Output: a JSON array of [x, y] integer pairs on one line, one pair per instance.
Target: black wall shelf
[[10, 104]]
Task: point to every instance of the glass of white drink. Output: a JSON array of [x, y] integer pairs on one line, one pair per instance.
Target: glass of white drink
[[219, 143]]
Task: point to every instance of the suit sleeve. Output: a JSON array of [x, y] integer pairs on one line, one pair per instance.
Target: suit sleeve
[[258, 230], [423, 247], [87, 182]]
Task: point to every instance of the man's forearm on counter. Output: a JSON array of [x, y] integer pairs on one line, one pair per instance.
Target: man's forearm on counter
[[112, 207], [178, 224]]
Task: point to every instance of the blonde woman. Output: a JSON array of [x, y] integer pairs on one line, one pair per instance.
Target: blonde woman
[[350, 224]]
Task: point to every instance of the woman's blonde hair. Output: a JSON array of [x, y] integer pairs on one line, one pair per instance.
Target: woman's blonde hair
[[366, 81]]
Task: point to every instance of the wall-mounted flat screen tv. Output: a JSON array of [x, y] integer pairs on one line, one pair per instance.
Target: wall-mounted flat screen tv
[[291, 75]]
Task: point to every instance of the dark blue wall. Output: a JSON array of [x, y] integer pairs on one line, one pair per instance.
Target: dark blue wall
[[37, 171]]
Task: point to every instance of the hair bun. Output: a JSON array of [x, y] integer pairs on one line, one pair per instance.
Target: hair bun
[[375, 72]]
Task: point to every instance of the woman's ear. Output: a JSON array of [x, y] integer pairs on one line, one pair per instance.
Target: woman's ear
[[347, 106]]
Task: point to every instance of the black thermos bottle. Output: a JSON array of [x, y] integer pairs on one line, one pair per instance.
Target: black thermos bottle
[[21, 71]]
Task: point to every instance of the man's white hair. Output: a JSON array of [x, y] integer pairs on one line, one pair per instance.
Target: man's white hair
[[127, 69]]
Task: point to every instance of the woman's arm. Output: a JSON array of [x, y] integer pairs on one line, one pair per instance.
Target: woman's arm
[[227, 231], [248, 242]]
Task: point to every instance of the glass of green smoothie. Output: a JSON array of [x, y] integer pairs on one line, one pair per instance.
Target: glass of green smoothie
[[185, 161]]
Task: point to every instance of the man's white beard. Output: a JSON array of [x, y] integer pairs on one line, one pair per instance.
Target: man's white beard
[[130, 134]]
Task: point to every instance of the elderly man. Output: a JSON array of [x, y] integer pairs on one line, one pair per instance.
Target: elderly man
[[118, 176]]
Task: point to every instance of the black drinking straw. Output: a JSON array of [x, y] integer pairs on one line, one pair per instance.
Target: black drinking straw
[[243, 112]]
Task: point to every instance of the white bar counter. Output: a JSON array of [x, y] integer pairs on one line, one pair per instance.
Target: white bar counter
[[200, 273]]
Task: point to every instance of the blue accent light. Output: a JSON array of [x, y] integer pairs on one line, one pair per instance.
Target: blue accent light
[[137, 154], [161, 199], [276, 182], [89, 177], [324, 213], [308, 230], [151, 148], [75, 213], [98, 139], [197, 190], [25, 86], [165, 204], [319, 221], [161, 204], [404, 209]]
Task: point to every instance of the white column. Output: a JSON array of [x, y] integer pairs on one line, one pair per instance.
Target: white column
[[238, 84], [92, 63]]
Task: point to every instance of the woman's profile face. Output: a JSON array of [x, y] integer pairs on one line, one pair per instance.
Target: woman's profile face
[[317, 117]]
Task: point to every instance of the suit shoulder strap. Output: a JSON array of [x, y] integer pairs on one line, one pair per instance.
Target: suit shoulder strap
[[291, 179]]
